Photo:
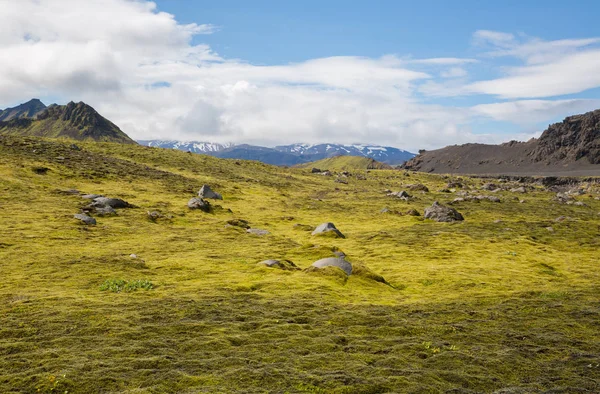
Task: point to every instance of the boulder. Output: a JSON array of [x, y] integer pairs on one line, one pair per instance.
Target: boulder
[[90, 221], [401, 194], [105, 211], [314, 171], [198, 203], [116, 203], [206, 192], [338, 262], [281, 264], [329, 229], [441, 213], [257, 231]]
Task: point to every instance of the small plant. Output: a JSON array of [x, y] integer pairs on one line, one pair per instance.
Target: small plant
[[119, 285]]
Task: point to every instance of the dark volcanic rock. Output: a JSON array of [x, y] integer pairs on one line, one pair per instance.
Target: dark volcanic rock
[[441, 213]]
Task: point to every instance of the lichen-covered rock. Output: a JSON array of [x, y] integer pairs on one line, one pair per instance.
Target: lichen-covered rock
[[328, 229], [441, 213], [198, 203], [90, 221], [207, 192], [115, 203]]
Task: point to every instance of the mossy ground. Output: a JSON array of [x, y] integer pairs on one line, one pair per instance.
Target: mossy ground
[[475, 306]]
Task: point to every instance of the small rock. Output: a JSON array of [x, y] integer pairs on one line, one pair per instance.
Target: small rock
[[133, 256], [314, 171], [90, 221], [441, 213], [154, 215], [550, 229], [206, 192], [75, 147], [91, 196], [199, 203], [413, 212], [518, 190], [105, 211], [338, 262], [281, 264], [257, 231], [418, 187], [110, 202], [328, 228], [239, 223]]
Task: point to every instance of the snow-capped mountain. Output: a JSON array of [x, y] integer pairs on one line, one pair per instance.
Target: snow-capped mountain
[[191, 146], [286, 155], [384, 154]]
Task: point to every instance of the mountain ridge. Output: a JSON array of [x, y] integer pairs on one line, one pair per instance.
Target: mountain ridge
[[570, 146], [78, 121]]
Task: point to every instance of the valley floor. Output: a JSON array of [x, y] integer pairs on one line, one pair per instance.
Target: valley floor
[[504, 302]]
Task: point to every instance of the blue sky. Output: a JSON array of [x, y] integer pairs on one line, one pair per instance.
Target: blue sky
[[419, 74]]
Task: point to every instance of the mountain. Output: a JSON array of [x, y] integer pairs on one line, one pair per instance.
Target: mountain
[[347, 163], [569, 147], [384, 154], [187, 146], [287, 155], [27, 110], [78, 121]]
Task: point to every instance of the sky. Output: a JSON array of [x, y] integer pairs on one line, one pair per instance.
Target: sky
[[410, 74]]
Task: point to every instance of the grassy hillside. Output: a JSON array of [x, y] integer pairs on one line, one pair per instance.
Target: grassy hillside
[[346, 163], [507, 299]]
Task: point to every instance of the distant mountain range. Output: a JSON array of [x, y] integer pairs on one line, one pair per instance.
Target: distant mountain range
[[287, 154], [571, 147], [77, 121]]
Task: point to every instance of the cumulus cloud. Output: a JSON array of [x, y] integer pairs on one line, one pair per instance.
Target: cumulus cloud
[[139, 67]]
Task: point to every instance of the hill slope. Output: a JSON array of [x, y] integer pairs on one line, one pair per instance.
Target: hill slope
[[77, 121], [497, 303], [347, 163], [29, 109], [570, 147]]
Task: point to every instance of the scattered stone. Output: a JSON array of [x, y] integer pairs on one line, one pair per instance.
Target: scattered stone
[[518, 190], [493, 198], [105, 211], [326, 173], [328, 229], [133, 256], [340, 180], [521, 201], [445, 191], [580, 204], [281, 264], [116, 203], [338, 262], [561, 219], [401, 195], [154, 215], [419, 187], [413, 212], [257, 231], [314, 171], [91, 196], [550, 229], [563, 198], [441, 213], [454, 185], [40, 170], [75, 147], [490, 186], [239, 223], [90, 221], [69, 192], [497, 221], [206, 192], [198, 203]]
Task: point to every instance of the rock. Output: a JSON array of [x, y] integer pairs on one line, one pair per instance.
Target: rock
[[257, 231], [91, 196], [521, 201], [154, 215], [580, 204], [561, 219], [493, 198], [90, 221], [303, 227], [550, 229], [198, 203], [340, 180], [75, 147], [326, 173], [133, 256], [457, 200], [518, 190], [329, 229], [563, 198], [445, 191], [401, 194], [490, 186], [441, 213], [105, 211], [419, 187], [206, 192], [281, 264], [110, 202], [454, 185], [314, 171], [413, 212], [338, 262], [239, 223]]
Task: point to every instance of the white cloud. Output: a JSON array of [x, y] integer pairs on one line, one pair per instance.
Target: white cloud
[[139, 68]]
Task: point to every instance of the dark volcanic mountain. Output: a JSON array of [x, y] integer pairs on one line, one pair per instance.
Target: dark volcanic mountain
[[570, 147], [78, 121], [27, 110], [288, 154]]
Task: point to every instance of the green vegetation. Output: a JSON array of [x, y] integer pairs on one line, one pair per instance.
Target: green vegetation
[[346, 163], [495, 302]]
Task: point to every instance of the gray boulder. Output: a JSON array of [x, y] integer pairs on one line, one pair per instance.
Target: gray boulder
[[441, 213], [207, 192], [90, 221], [518, 190], [110, 202], [257, 231], [338, 262], [198, 203], [105, 211], [91, 196], [329, 229], [281, 264]]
